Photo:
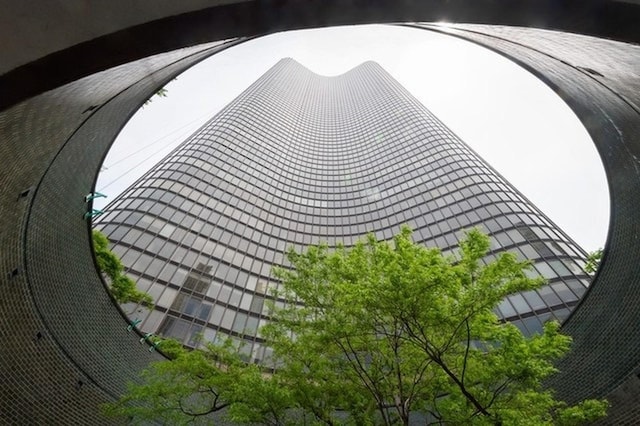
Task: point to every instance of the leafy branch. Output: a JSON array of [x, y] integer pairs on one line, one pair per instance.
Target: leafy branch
[[122, 287]]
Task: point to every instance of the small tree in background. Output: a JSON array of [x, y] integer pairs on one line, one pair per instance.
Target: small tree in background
[[202, 386], [161, 93], [108, 262], [122, 288], [593, 261]]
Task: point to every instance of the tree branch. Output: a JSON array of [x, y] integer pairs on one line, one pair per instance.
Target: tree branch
[[470, 397], [366, 379], [466, 352]]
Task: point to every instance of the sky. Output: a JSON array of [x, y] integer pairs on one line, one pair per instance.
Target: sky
[[508, 116]]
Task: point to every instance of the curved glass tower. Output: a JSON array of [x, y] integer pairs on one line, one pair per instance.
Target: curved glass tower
[[298, 159]]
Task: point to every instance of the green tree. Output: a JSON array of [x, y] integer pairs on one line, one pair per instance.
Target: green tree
[[403, 330], [122, 287], [593, 261], [202, 386], [124, 290], [371, 335], [108, 262]]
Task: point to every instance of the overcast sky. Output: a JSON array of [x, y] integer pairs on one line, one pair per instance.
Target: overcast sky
[[515, 122]]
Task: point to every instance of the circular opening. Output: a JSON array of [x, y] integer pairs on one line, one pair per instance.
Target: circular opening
[[516, 123]]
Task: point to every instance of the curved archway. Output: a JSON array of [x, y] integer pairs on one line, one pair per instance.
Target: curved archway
[[66, 348]]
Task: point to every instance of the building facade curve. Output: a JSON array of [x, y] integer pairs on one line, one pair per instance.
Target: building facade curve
[[299, 159]]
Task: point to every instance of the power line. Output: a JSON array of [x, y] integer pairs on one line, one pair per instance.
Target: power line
[[155, 141], [136, 166]]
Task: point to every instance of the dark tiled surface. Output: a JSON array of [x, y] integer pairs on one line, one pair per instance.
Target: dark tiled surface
[[65, 346]]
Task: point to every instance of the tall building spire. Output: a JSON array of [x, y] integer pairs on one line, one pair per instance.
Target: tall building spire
[[299, 159]]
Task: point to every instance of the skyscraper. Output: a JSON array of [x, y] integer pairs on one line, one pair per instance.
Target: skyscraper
[[298, 159]]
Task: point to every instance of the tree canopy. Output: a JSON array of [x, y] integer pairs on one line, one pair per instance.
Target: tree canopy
[[196, 385], [380, 333]]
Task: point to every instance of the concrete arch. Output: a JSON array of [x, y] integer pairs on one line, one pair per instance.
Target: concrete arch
[[64, 98]]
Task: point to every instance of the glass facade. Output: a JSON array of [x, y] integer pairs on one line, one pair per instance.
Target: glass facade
[[299, 159]]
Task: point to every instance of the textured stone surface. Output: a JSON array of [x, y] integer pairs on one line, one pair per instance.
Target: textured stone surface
[[46, 45]]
